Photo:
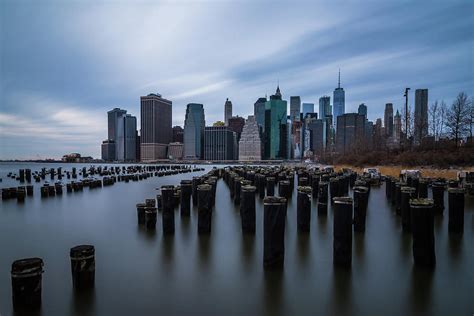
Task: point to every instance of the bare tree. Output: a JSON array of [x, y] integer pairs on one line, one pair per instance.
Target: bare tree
[[408, 118], [457, 117], [433, 113], [442, 117], [471, 116]]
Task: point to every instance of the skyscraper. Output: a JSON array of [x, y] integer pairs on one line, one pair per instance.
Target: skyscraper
[[307, 108], [421, 114], [295, 108], [115, 120], [227, 111], [339, 101], [259, 112], [250, 143], [155, 122], [178, 134], [194, 124], [318, 130], [350, 133], [130, 138], [397, 127], [108, 150], [324, 106], [236, 124], [388, 119], [219, 143], [362, 110], [275, 138]]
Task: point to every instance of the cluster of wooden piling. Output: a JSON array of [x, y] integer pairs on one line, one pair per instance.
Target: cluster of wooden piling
[[245, 182], [109, 176], [27, 274], [409, 196], [201, 190]]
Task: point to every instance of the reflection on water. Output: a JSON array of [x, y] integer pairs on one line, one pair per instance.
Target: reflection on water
[[143, 272]]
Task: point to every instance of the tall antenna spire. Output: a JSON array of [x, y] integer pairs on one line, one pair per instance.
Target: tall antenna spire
[[339, 80]]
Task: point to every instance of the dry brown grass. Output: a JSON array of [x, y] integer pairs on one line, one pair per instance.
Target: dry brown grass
[[394, 171]]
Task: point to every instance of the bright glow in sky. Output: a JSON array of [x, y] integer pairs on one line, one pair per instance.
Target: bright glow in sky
[[63, 65]]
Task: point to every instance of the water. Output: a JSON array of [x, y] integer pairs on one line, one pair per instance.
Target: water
[[138, 273]]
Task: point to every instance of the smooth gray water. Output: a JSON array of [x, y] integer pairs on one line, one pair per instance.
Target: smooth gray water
[[138, 273]]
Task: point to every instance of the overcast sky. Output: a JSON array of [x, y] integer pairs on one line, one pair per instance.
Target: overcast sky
[[64, 64]]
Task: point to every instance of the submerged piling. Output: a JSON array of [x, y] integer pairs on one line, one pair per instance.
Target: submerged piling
[[167, 192], [247, 209], [274, 218], [456, 210], [141, 213], [438, 196], [303, 208], [150, 217], [361, 199], [407, 193], [26, 275], [186, 192], [342, 244], [270, 186], [83, 266], [204, 209], [422, 219], [323, 198]]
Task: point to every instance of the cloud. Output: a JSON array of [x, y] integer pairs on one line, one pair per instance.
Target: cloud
[[72, 62]]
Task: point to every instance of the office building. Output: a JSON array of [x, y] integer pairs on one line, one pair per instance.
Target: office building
[[194, 124], [318, 137], [295, 108], [339, 101], [227, 111], [175, 151], [236, 124], [362, 110], [421, 115], [178, 134], [219, 143], [250, 143], [155, 122], [397, 127], [116, 132], [388, 119], [108, 150], [259, 112], [130, 138], [324, 106], [307, 108], [350, 133], [275, 138]]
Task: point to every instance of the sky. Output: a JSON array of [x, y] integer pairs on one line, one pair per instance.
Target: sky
[[64, 64]]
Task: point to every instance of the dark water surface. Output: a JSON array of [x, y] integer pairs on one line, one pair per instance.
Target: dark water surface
[[139, 273]]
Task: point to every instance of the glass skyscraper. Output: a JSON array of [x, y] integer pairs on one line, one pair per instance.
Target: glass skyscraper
[[308, 108], [339, 101], [275, 137], [194, 124]]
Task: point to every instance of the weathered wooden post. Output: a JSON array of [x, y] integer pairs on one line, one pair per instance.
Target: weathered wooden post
[[438, 189], [456, 210], [270, 186], [315, 186], [26, 277], [237, 187], [388, 188], [196, 182], [422, 219], [323, 198], [141, 213], [361, 199], [334, 188], [407, 193], [150, 217], [167, 192], [284, 189], [303, 202], [204, 209], [247, 209], [342, 245], [274, 218], [83, 266], [423, 188], [186, 192]]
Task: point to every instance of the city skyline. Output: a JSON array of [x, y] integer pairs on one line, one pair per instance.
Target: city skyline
[[70, 78]]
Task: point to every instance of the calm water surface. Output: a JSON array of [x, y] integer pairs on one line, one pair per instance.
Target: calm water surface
[[140, 273]]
